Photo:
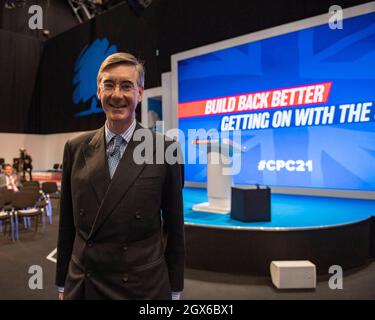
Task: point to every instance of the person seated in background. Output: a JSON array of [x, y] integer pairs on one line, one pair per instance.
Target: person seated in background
[[9, 179]]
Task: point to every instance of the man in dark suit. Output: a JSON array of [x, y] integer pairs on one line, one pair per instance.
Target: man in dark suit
[[9, 179], [121, 225]]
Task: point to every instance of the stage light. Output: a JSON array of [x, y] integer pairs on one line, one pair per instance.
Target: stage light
[[87, 9], [138, 6], [12, 4]]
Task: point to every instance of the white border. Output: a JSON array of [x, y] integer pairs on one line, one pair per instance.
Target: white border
[[260, 35], [148, 93]]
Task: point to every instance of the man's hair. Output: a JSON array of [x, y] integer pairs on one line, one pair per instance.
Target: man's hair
[[123, 58]]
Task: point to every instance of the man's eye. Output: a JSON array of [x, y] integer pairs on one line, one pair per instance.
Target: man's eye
[[126, 86], [108, 86]]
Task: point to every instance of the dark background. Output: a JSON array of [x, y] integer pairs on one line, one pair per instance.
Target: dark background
[[37, 70]]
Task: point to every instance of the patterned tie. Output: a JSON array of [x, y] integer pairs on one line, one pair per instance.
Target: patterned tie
[[115, 155]]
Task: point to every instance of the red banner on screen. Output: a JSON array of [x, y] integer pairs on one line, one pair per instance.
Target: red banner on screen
[[278, 98]]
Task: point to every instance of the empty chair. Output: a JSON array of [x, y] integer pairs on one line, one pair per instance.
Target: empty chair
[[37, 194], [6, 216], [50, 190], [6, 194], [27, 204], [31, 184]]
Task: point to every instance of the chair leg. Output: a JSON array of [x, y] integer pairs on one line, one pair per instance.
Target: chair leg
[[36, 223], [17, 227], [7, 234], [43, 220], [11, 227], [5, 229], [43, 215], [48, 208]]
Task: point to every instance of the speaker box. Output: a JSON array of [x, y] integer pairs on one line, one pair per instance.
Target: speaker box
[[251, 203], [299, 274]]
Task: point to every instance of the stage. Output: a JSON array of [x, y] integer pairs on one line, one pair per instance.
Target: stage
[[48, 176], [325, 230]]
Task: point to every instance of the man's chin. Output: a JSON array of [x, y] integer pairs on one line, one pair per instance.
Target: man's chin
[[119, 118], [124, 117], [119, 113]]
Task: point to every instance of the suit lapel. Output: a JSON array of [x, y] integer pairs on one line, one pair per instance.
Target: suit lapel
[[125, 175], [96, 164]]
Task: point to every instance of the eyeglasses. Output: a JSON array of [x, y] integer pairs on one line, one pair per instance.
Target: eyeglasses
[[125, 87]]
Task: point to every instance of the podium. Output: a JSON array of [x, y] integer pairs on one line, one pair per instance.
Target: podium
[[251, 203], [218, 184]]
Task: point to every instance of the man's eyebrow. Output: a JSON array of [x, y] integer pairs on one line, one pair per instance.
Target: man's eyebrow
[[123, 81]]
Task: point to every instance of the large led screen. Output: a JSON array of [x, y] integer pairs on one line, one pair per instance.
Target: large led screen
[[303, 102]]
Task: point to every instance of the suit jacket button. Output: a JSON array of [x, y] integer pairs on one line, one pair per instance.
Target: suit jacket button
[[81, 212], [125, 278], [137, 215], [90, 244], [88, 274], [124, 247]]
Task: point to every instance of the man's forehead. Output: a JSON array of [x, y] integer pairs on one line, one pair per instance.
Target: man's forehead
[[120, 73]]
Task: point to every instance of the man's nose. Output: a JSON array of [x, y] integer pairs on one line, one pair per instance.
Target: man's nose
[[117, 92]]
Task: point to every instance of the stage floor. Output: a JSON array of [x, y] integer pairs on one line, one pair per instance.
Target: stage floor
[[287, 212]]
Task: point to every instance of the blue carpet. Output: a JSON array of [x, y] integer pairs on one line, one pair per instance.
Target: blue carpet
[[287, 211]]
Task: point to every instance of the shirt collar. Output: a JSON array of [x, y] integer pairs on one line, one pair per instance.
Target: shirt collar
[[126, 135]]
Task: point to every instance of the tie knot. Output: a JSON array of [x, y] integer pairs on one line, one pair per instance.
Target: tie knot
[[114, 155], [118, 140]]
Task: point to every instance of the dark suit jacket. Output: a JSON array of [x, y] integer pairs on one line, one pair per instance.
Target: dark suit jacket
[[3, 180], [121, 238]]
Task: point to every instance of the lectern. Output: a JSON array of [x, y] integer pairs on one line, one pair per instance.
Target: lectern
[[219, 179]]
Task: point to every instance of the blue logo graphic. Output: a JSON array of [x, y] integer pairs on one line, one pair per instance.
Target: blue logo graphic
[[85, 73]]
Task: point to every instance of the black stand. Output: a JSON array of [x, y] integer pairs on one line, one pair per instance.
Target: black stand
[[251, 204]]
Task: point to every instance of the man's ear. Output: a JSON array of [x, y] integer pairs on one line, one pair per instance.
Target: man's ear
[[141, 91], [98, 91]]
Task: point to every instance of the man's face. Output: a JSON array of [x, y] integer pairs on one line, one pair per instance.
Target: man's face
[[119, 93], [8, 170]]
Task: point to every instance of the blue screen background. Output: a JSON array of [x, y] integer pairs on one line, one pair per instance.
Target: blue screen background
[[343, 155]]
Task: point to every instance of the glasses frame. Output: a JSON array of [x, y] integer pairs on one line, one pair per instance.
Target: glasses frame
[[115, 85]]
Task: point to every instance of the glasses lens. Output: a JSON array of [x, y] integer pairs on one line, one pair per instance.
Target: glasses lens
[[124, 87]]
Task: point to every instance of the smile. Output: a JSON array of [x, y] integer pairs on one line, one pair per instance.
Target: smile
[[117, 107]]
